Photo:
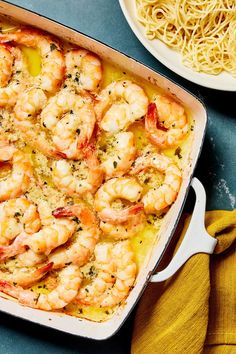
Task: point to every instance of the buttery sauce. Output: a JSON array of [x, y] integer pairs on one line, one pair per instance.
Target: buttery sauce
[[144, 240]]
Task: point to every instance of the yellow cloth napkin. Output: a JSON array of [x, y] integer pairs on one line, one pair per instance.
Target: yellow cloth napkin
[[195, 310]]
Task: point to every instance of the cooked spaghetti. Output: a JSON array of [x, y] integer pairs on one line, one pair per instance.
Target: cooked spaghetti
[[203, 31]]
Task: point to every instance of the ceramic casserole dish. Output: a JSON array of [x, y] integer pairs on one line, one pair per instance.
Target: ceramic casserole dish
[[103, 330]]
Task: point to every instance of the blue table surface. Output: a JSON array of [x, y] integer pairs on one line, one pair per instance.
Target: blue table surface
[[103, 20]]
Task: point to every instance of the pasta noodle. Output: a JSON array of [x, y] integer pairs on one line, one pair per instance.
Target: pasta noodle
[[203, 31]]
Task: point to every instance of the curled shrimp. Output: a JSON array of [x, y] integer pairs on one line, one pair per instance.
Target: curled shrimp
[[104, 266], [71, 119], [82, 245], [120, 104], [125, 230], [25, 277], [117, 160], [124, 276], [69, 281], [43, 241], [7, 150], [50, 237], [29, 105], [116, 273], [52, 58], [83, 70], [77, 178], [159, 198], [166, 122], [118, 188], [17, 215], [13, 75], [6, 64], [17, 183], [27, 110], [15, 248]]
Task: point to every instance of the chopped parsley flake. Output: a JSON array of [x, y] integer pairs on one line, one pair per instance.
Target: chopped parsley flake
[[178, 152], [77, 220], [53, 46]]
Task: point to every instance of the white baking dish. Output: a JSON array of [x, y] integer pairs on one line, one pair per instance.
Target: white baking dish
[[104, 330]]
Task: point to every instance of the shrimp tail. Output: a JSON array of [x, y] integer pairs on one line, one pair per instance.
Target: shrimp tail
[[3, 163], [88, 151], [62, 212], [40, 272], [119, 217], [80, 211], [26, 280], [136, 209], [152, 118], [10, 289], [60, 155], [15, 248]]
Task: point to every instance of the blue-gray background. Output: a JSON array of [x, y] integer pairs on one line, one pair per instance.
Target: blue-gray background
[[103, 20]]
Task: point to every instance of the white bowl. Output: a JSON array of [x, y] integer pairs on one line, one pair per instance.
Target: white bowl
[[172, 59]]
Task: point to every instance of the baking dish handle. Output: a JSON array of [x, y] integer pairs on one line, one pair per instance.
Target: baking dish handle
[[196, 239]]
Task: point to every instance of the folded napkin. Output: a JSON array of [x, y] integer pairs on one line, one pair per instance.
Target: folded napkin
[[195, 310]]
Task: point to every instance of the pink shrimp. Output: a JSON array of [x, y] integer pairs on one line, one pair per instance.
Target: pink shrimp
[[69, 281], [83, 243], [116, 188], [52, 58], [77, 178], [165, 122]]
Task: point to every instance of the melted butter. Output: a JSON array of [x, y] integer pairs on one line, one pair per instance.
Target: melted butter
[[140, 137], [114, 73], [92, 313], [40, 288], [143, 242], [7, 27], [33, 60]]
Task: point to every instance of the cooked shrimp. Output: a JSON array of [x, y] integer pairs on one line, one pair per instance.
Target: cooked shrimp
[[50, 237], [79, 177], [82, 246], [43, 241], [15, 248], [124, 276], [166, 122], [52, 59], [116, 270], [6, 149], [118, 188], [71, 119], [25, 277], [104, 266], [120, 104], [83, 70], [6, 65], [13, 75], [120, 155], [17, 215], [69, 281], [29, 259], [17, 183], [157, 199], [29, 105], [27, 110], [124, 231]]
